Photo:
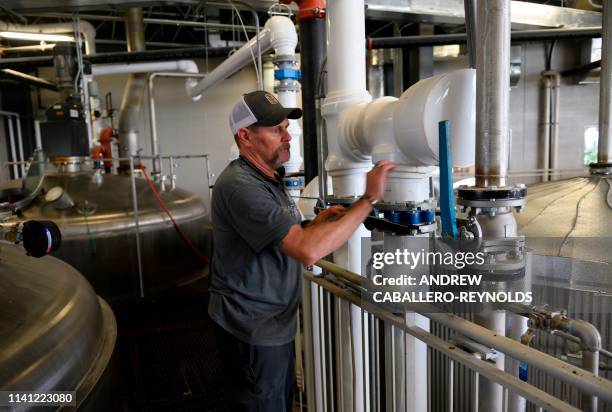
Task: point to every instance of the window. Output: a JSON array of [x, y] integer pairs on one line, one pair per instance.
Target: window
[[591, 136]]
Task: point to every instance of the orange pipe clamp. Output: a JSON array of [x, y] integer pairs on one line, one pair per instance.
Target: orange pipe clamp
[[309, 9]]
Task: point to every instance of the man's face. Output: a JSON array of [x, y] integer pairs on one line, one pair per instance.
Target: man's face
[[271, 144]]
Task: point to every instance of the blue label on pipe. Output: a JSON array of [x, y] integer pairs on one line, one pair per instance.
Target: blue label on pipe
[[287, 74], [523, 370]]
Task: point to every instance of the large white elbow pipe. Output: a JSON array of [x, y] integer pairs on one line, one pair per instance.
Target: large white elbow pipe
[[279, 33], [85, 28], [183, 66]]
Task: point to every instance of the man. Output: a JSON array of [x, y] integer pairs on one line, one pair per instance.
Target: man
[[260, 246]]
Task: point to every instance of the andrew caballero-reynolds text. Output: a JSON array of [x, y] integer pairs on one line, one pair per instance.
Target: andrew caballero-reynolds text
[[408, 288]]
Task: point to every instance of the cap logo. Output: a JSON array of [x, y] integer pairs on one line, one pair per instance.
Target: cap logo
[[271, 98]]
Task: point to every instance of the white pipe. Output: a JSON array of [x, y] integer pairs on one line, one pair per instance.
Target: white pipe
[[347, 86], [405, 130], [278, 32], [85, 28], [183, 66], [293, 165]]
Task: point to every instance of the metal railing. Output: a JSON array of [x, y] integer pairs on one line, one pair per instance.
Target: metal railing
[[324, 294]]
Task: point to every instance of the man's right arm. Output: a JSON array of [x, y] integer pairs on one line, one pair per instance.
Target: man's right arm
[[316, 240]]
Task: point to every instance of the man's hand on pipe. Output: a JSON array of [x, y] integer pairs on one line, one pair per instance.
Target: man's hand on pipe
[[328, 215], [376, 179]]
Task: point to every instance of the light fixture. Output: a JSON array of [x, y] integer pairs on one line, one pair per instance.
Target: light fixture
[[35, 36]]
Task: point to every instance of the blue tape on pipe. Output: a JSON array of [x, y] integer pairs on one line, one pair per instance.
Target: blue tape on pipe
[[523, 371], [287, 74]]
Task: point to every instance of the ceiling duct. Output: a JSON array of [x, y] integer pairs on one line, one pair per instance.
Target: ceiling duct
[[133, 94], [523, 14]]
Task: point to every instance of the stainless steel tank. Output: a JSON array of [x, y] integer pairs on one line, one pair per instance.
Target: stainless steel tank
[[98, 228], [55, 333], [568, 224]]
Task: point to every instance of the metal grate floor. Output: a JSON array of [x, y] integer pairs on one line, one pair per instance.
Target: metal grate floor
[[169, 361]]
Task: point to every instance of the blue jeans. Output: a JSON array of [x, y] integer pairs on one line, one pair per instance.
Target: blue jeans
[[259, 378]]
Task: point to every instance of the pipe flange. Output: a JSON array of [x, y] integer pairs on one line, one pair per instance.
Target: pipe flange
[[600, 168], [284, 58], [493, 197], [430, 204]]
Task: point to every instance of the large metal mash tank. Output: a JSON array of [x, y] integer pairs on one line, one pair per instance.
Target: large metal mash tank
[[55, 333], [568, 224], [95, 213]]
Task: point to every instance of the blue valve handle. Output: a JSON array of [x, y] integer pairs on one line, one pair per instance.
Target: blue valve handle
[[447, 197]]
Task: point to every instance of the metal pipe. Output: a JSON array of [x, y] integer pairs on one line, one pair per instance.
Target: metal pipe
[[604, 149], [521, 36], [544, 127], [137, 225], [548, 364], [554, 117], [470, 27], [492, 92], [29, 79], [20, 144], [590, 362], [166, 22], [134, 89], [37, 137], [12, 144], [484, 368], [152, 118]]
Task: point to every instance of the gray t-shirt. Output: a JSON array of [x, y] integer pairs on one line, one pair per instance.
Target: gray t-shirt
[[255, 288]]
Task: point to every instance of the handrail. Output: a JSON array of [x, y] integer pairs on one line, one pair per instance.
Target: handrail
[[578, 377], [485, 368]]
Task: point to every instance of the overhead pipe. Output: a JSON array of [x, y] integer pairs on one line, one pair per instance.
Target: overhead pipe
[[604, 148], [84, 27], [29, 79], [157, 166], [133, 94], [278, 33], [522, 36], [180, 66]]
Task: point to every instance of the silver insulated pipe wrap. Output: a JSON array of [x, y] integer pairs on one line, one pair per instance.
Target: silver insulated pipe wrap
[[133, 94], [492, 91], [604, 149]]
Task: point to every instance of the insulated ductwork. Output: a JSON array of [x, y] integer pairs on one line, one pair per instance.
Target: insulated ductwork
[[133, 94]]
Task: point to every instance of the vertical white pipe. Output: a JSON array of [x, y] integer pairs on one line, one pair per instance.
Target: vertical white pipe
[[346, 81], [289, 99]]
